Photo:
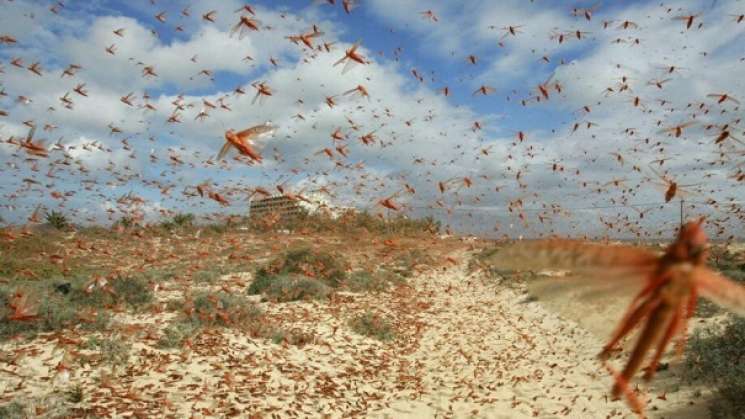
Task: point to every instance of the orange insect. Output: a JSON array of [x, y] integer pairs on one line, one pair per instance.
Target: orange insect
[[23, 309], [244, 25], [389, 203], [360, 90], [262, 91], [35, 148], [585, 11], [242, 140], [511, 30], [429, 14], [672, 187], [7, 39], [348, 5], [306, 38], [219, 198], [352, 57], [210, 16], [677, 130], [722, 97], [688, 19], [484, 90]]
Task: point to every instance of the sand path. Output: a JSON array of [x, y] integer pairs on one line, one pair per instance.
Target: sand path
[[488, 353]]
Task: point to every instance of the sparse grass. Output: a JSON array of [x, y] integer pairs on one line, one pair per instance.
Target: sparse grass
[[178, 221], [13, 410], [372, 325], [52, 405], [210, 275], [381, 280], [112, 351], [176, 333], [717, 357], [409, 263], [205, 276]]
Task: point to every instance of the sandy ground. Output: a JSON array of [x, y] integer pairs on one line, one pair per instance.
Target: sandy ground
[[467, 347]]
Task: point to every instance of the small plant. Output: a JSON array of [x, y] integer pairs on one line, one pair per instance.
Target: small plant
[[58, 220], [183, 220], [114, 352], [75, 394], [372, 325], [176, 333]]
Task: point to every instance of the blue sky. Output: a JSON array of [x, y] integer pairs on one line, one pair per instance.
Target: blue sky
[[540, 185]]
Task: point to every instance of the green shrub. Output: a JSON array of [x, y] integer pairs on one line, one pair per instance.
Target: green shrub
[[718, 358], [290, 287], [176, 333], [213, 310], [57, 220], [75, 394], [183, 220], [13, 410], [324, 267], [372, 325], [737, 275], [114, 352]]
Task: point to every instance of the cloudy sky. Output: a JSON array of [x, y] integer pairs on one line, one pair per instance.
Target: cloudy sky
[[577, 134]]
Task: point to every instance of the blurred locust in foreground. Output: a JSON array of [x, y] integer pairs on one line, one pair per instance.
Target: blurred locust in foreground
[[671, 284]]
